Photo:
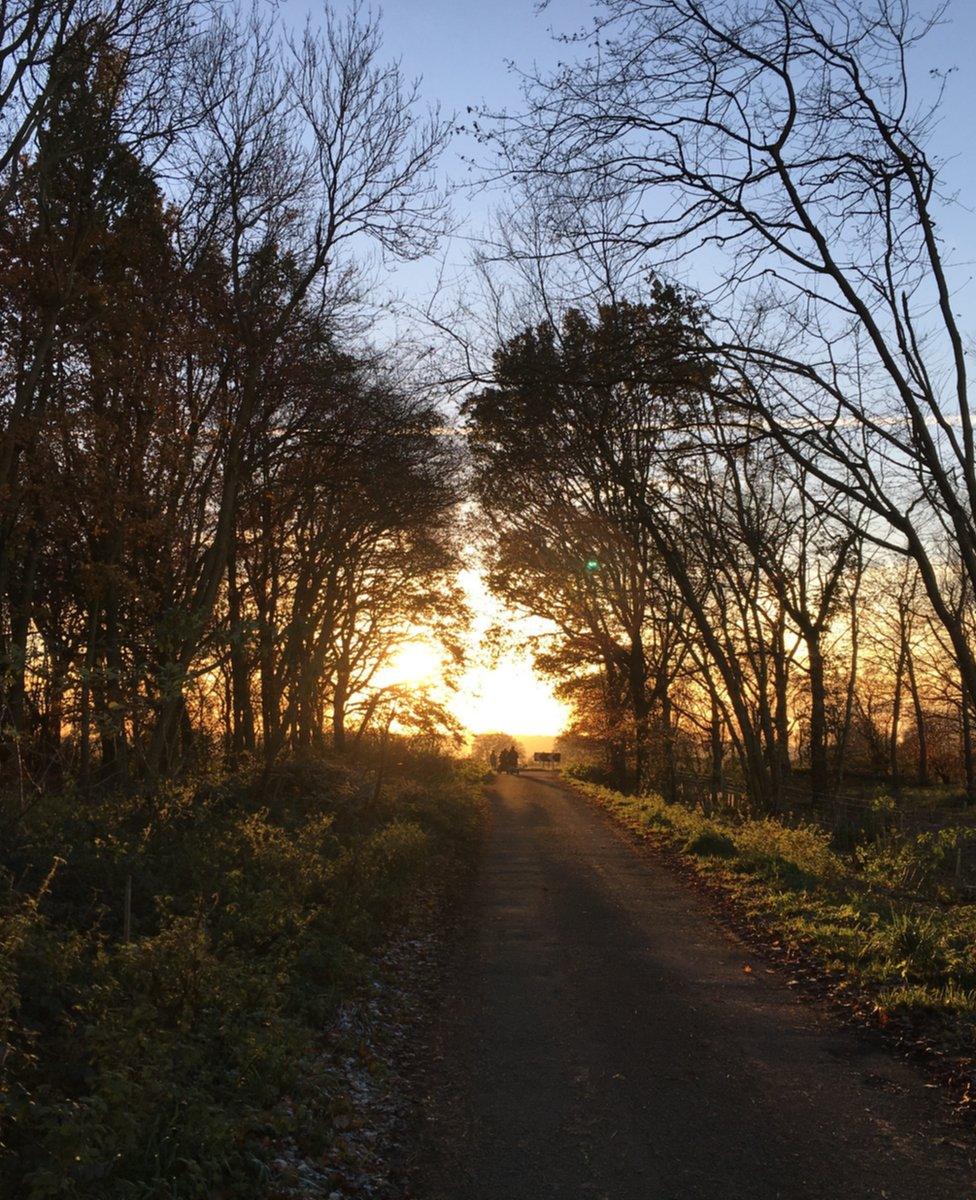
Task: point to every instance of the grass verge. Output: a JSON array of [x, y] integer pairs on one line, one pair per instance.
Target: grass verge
[[878, 929]]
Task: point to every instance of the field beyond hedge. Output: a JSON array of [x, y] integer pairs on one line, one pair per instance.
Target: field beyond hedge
[[878, 925], [156, 1066]]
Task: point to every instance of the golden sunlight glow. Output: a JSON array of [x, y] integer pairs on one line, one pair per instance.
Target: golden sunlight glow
[[499, 694], [413, 665], [506, 695]]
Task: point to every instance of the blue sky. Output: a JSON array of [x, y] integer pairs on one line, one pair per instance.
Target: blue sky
[[460, 49]]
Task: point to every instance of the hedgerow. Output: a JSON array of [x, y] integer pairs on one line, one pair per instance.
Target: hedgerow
[[154, 1067]]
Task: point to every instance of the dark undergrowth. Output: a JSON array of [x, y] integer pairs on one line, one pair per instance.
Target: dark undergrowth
[[156, 1065]]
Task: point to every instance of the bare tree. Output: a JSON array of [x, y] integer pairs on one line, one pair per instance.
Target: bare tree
[[302, 156], [783, 138]]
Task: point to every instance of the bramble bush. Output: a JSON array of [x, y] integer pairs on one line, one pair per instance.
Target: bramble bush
[[153, 1068]]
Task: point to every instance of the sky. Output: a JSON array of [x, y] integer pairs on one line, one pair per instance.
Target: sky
[[461, 51]]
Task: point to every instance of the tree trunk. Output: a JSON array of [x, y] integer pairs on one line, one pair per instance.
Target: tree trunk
[[667, 730], [782, 712], [110, 716], [819, 767], [896, 716], [923, 751], [20, 620], [717, 752], [967, 750], [242, 715], [640, 708], [339, 698], [845, 730]]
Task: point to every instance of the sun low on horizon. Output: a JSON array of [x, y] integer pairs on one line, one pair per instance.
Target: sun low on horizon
[[508, 697], [496, 692], [501, 692]]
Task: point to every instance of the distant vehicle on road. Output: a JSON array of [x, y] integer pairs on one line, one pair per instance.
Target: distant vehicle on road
[[508, 761]]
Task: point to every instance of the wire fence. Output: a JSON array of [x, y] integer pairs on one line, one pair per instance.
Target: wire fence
[[852, 820]]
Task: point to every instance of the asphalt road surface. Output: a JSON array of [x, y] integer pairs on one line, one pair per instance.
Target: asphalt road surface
[[602, 1040]]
